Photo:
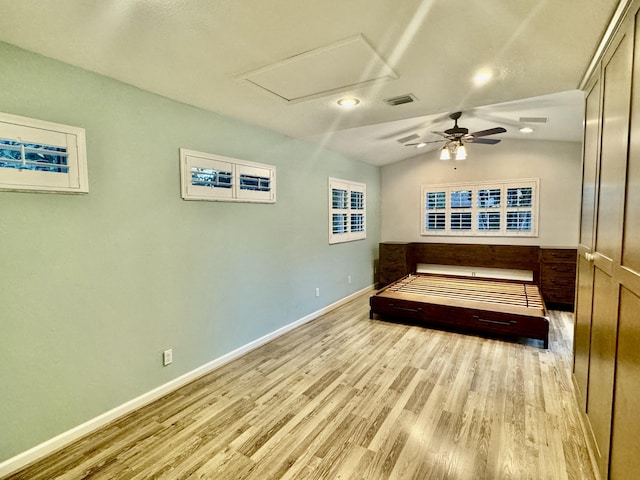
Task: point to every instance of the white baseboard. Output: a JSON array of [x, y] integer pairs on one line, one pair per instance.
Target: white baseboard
[[46, 448]]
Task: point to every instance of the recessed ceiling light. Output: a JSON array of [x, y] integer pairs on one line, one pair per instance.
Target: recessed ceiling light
[[526, 130], [482, 77], [421, 145], [348, 102]]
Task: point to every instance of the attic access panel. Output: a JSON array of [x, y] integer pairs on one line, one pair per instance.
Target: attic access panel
[[347, 64]]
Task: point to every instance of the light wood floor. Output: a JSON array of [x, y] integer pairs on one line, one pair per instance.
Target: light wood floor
[[345, 397]]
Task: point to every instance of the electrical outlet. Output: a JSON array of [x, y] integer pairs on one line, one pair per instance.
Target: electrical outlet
[[349, 278], [317, 291], [167, 357]]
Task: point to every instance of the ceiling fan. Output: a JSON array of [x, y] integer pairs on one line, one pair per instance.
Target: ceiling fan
[[456, 137]]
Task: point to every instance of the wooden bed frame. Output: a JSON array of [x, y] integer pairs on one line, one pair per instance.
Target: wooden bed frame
[[467, 300]]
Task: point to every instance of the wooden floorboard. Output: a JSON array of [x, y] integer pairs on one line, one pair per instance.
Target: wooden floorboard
[[345, 397]]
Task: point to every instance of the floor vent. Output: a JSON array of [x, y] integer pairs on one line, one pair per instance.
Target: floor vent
[[401, 100]]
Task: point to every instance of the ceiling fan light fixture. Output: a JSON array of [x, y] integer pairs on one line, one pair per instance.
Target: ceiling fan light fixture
[[461, 152], [444, 153]]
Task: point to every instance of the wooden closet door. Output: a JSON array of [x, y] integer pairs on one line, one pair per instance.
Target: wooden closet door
[[625, 443], [584, 276], [608, 241]]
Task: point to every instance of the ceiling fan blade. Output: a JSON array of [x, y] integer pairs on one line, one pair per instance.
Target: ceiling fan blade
[[423, 143], [445, 135], [490, 131], [486, 141]]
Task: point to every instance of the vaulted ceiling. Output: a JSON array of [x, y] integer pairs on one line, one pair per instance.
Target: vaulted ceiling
[[283, 64]]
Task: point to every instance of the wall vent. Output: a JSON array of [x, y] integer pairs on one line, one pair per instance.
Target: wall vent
[[401, 100]]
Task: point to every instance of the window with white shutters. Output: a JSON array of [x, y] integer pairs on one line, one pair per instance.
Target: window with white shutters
[[205, 176], [504, 208], [41, 156], [347, 211]]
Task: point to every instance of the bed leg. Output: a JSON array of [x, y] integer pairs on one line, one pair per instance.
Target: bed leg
[[370, 314], [546, 343]]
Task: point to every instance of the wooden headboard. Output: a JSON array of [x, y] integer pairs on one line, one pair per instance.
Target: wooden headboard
[[521, 257], [554, 268]]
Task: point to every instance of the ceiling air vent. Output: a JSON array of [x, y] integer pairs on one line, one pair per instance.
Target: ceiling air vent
[[409, 138], [533, 119], [401, 100]]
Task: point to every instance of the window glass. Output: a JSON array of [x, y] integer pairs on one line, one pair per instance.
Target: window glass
[[436, 221], [340, 223], [339, 198], [461, 221], [255, 183], [519, 197], [436, 200], [208, 177], [357, 222], [520, 220], [357, 200], [461, 199], [31, 156], [489, 221], [489, 198]]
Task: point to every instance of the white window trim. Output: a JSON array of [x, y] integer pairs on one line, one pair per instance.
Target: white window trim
[[503, 185], [349, 186], [30, 130], [192, 159]]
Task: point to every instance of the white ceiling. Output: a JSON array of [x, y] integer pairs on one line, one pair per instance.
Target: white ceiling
[[282, 64]]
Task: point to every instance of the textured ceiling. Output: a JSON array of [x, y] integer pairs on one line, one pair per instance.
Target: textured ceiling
[[201, 52]]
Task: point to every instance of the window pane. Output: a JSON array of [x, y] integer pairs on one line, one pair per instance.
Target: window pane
[[489, 198], [461, 221], [489, 221], [339, 223], [208, 177], [357, 201], [256, 183], [32, 156], [339, 198], [436, 200], [357, 222], [519, 197], [519, 221], [461, 199], [435, 221]]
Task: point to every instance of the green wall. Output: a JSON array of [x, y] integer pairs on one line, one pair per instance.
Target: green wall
[[94, 287]]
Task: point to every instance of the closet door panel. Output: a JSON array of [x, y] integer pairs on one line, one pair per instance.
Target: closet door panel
[[615, 129], [625, 450], [602, 363], [590, 165], [616, 88], [631, 225], [625, 455], [584, 275], [631, 237], [582, 330]]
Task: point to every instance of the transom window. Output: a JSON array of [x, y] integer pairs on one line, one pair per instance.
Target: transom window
[[205, 176], [505, 208], [347, 207], [36, 155]]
